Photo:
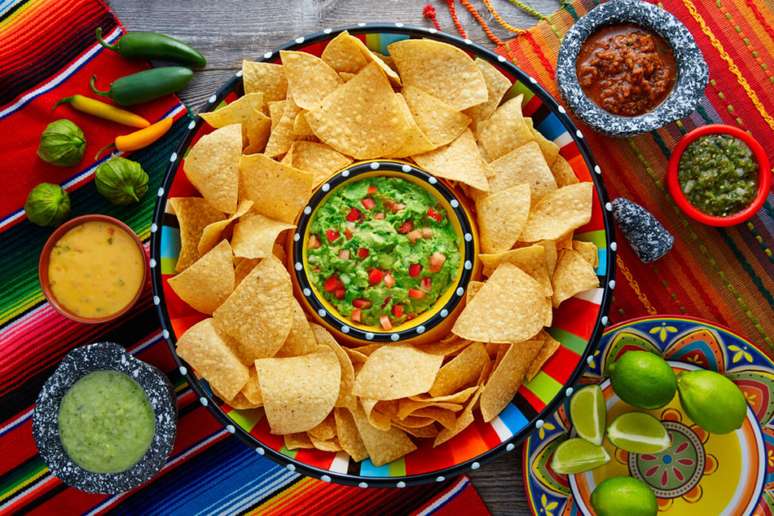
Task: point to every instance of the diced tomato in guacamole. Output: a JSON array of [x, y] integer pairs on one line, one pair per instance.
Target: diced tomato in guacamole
[[399, 256]]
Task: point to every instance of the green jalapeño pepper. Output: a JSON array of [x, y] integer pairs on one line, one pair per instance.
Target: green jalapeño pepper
[[146, 85], [152, 45]]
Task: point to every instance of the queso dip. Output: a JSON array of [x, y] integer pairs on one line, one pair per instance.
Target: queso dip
[[95, 269]]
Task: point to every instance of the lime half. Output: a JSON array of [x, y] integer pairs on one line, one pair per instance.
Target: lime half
[[639, 433], [588, 413], [577, 455]]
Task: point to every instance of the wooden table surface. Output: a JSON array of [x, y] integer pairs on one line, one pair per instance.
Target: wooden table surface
[[226, 31]]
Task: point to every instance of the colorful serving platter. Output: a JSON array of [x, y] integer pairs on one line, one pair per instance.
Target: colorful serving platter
[[578, 323], [701, 473]]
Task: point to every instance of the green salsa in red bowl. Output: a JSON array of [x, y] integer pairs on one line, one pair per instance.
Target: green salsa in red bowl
[[719, 175]]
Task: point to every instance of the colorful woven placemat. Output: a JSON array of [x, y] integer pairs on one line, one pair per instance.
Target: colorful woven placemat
[[48, 51], [724, 275]]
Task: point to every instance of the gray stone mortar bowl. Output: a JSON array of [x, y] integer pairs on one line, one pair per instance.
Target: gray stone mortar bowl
[[45, 420], [692, 70]]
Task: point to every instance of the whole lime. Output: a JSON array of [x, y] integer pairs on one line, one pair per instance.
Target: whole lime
[[617, 496], [643, 379], [712, 401]]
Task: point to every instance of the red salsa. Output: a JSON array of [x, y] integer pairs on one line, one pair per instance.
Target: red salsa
[[626, 69]]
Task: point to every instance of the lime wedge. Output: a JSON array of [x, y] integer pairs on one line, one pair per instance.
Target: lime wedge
[[588, 413], [577, 455], [639, 433]]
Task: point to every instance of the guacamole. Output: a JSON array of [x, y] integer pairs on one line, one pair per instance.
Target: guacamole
[[106, 423], [382, 251], [719, 175]]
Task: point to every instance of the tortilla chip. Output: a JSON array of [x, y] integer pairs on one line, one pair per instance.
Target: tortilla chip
[[343, 54], [377, 418], [549, 149], [246, 110], [383, 447], [504, 131], [507, 377], [213, 233], [193, 215], [498, 314], [362, 118], [407, 407], [356, 356], [423, 432], [531, 260], [301, 339], [395, 371], [524, 164], [496, 86], [259, 313], [446, 418], [462, 371], [443, 70], [588, 250], [464, 420], [276, 110], [255, 234], [327, 446], [457, 397], [277, 191], [550, 346], [238, 402], [319, 159], [252, 389], [257, 131], [310, 79], [282, 137], [208, 281], [473, 288], [267, 78], [324, 338], [559, 213], [346, 76], [297, 441], [552, 254], [563, 172], [301, 127], [416, 141], [445, 347], [502, 217], [242, 266], [298, 392], [211, 353], [348, 55], [458, 161], [348, 435], [440, 122], [573, 275], [325, 431], [212, 166]]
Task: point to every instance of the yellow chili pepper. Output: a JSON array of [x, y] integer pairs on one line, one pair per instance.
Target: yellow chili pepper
[[103, 110], [140, 139]]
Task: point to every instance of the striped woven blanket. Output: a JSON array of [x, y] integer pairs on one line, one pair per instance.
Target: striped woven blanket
[[48, 51]]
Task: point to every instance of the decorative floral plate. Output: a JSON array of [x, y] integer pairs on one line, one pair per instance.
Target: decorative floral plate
[[577, 324], [701, 473]]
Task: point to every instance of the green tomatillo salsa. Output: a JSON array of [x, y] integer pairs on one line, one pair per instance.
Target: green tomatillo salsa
[[106, 423], [382, 251], [718, 174]]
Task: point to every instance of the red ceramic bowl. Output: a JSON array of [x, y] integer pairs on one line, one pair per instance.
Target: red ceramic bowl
[[45, 254], [764, 176]]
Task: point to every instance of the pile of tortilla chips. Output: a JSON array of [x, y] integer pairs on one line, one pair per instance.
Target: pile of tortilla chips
[[298, 123]]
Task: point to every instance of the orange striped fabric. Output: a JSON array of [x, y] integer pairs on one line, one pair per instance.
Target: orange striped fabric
[[726, 275]]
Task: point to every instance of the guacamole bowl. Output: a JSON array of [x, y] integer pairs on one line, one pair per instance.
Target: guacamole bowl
[[399, 269]]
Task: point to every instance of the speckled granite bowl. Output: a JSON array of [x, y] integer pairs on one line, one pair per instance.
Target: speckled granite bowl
[[692, 71], [45, 420]]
